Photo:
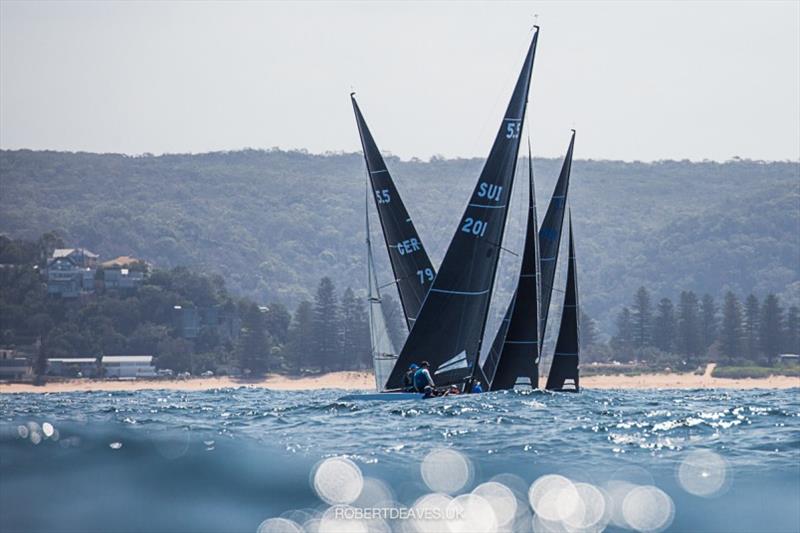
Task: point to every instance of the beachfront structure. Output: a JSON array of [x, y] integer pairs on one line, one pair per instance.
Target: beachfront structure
[[72, 367], [13, 366], [70, 272], [128, 366]]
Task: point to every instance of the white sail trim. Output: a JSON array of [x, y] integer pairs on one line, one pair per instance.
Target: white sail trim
[[454, 363]]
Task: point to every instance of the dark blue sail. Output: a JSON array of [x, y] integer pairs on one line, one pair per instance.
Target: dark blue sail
[[451, 323], [563, 374], [514, 356], [550, 235], [412, 269]]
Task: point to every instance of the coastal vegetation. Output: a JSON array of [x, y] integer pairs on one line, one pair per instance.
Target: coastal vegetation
[[272, 222]]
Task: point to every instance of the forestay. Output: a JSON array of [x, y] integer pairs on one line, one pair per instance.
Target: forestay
[[453, 316], [412, 269]]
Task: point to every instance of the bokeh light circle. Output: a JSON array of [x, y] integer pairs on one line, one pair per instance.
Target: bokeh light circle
[[470, 513], [554, 498], [703, 473], [338, 480], [429, 513], [500, 498], [446, 470], [279, 525], [648, 508]]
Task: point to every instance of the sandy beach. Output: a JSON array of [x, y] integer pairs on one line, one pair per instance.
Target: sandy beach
[[365, 381]]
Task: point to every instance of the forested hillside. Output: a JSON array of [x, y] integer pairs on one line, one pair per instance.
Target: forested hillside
[[274, 222]]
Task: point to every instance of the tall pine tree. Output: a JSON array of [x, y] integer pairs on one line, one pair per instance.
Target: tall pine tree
[[355, 331], [709, 325], [254, 342], [642, 319], [752, 319], [622, 342], [588, 335], [791, 333], [302, 347], [688, 326], [731, 335], [665, 326], [771, 330], [327, 334]]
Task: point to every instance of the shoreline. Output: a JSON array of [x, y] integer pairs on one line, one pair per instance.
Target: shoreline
[[352, 380]]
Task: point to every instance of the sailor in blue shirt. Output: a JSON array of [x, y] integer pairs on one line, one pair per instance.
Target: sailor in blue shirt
[[423, 382]]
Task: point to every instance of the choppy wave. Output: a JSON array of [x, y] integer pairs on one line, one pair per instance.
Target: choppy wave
[[229, 459]]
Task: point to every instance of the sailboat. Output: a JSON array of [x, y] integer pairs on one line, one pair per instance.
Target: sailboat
[[563, 375], [514, 355], [450, 325], [411, 266]]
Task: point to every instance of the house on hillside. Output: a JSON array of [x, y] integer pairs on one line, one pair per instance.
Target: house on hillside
[[123, 273], [71, 272], [222, 320]]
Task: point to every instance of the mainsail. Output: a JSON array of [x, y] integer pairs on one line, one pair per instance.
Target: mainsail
[[514, 356], [563, 374], [550, 235], [413, 271], [453, 317], [383, 352]]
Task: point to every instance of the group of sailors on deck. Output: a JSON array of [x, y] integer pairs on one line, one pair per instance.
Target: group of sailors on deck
[[418, 379]]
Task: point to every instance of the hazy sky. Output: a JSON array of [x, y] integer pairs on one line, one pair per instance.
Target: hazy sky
[[637, 80]]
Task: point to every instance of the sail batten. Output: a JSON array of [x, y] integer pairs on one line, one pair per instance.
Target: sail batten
[[412, 269], [453, 316]]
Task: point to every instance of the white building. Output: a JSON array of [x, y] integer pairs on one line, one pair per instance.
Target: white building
[[128, 366]]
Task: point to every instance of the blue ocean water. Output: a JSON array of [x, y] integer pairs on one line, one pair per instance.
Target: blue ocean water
[[228, 459]]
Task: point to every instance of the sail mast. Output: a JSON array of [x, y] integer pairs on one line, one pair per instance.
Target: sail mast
[[451, 323], [383, 351]]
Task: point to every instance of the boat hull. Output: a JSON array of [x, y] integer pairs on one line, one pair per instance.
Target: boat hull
[[382, 397]]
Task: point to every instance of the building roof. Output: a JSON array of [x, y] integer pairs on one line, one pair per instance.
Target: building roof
[[121, 261], [66, 252], [142, 359], [71, 360]]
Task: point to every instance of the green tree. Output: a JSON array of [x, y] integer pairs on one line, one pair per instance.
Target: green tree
[[791, 334], [278, 320], [254, 342], [302, 346], [642, 317], [588, 333], [665, 326], [175, 354], [752, 317], [709, 326], [623, 341], [355, 331], [328, 336], [771, 328], [689, 343], [731, 334]]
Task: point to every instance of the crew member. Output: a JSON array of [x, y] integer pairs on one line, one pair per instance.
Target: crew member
[[408, 378], [423, 382]]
